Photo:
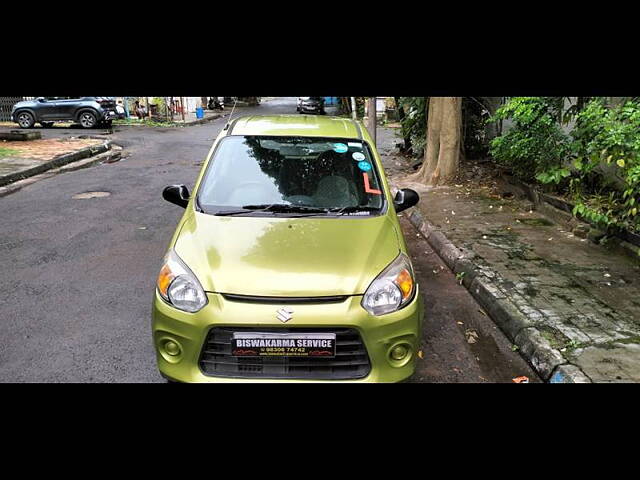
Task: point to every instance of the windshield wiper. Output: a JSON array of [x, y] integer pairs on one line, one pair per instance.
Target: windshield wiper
[[272, 207], [283, 207], [224, 213], [344, 210]]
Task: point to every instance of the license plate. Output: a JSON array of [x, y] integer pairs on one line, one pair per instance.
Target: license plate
[[254, 344]]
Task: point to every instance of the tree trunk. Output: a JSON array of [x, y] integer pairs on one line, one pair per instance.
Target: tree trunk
[[442, 153], [371, 117]]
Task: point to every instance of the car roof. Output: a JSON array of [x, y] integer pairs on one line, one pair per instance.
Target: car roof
[[296, 125]]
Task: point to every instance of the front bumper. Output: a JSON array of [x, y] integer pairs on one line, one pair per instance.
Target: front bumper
[[310, 109], [379, 334]]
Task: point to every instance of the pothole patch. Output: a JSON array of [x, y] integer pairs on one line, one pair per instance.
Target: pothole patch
[[85, 195]]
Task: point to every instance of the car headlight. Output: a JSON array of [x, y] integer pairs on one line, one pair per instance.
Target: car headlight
[[392, 289], [178, 285]]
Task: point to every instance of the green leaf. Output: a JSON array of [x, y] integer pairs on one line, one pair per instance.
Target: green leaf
[[620, 163]]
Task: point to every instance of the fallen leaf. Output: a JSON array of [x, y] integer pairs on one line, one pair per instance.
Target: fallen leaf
[[522, 379], [420, 354], [482, 312], [472, 336]]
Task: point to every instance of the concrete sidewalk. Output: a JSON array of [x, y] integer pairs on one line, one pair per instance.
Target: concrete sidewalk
[[571, 307], [189, 119], [23, 159]]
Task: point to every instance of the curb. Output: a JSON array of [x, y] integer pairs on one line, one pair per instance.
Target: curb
[[59, 161], [200, 121], [517, 325], [213, 117], [109, 156], [561, 210]]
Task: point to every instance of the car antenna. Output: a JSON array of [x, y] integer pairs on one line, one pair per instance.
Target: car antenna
[[231, 114]]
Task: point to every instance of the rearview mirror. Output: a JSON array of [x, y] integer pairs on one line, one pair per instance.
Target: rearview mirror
[[405, 198], [177, 194]]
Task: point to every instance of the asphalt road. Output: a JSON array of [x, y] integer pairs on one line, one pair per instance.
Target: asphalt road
[[79, 274]]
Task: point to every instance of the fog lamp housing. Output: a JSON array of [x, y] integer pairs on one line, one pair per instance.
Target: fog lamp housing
[[170, 349], [400, 354]]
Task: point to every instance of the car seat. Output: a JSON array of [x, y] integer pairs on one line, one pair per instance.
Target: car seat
[[335, 191]]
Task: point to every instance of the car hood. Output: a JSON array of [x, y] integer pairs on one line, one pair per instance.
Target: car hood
[[294, 257]]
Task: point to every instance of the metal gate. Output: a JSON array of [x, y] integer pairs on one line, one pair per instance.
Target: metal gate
[[6, 104]]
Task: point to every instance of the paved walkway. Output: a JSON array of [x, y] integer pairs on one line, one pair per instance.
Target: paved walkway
[[46, 149], [24, 156], [582, 299]]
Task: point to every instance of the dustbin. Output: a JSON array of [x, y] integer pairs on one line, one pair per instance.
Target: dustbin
[[199, 112]]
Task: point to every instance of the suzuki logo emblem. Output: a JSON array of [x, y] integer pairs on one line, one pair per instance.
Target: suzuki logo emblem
[[284, 315]]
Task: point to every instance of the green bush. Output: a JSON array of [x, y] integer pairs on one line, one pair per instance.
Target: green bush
[[606, 181], [535, 147], [414, 123]]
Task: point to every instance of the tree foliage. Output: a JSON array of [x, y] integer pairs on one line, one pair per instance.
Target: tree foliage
[[606, 167], [597, 164], [535, 147], [414, 123]]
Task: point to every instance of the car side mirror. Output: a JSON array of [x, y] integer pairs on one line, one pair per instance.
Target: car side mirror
[[41, 99], [177, 194], [405, 198]]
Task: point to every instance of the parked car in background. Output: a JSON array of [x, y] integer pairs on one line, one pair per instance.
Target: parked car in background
[[311, 105], [89, 112]]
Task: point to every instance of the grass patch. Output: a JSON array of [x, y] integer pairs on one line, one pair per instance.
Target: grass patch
[[7, 152], [148, 123]]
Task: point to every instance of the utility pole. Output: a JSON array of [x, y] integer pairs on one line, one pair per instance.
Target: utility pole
[[167, 106], [371, 117], [354, 112]]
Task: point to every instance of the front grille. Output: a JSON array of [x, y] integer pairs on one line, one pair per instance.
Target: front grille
[[351, 360], [284, 300]]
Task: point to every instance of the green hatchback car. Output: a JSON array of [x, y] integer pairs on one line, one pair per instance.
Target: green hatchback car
[[289, 263]]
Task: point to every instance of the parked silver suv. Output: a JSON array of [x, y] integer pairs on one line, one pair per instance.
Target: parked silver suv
[[89, 112]]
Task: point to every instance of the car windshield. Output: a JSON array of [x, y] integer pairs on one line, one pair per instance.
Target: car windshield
[[280, 174]]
